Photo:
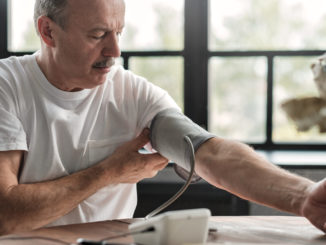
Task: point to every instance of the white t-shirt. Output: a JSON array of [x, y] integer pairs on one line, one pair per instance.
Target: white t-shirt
[[63, 132]]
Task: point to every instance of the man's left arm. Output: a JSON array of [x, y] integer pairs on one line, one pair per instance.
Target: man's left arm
[[235, 167]]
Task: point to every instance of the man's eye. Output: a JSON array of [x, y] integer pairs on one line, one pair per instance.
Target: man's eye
[[100, 36]]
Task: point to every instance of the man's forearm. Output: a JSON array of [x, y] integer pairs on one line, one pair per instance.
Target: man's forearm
[[30, 206], [236, 168]]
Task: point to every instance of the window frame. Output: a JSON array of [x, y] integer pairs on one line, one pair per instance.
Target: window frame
[[196, 55]]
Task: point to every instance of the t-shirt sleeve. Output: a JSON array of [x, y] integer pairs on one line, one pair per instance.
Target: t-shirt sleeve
[[12, 134], [150, 100]]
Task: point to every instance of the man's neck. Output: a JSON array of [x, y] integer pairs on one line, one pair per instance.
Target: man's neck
[[47, 65]]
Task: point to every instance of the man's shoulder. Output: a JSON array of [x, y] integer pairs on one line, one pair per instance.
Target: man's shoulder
[[119, 72], [14, 80], [122, 77], [14, 65], [14, 60], [125, 80]]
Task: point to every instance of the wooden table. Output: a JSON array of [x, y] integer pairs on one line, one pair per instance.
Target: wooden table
[[230, 230], [266, 230]]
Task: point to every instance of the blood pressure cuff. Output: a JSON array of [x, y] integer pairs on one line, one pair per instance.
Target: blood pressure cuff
[[167, 135]]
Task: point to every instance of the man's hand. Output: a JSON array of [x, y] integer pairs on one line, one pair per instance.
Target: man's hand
[[127, 165], [314, 207]]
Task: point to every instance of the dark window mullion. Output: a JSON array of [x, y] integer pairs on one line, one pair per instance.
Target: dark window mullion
[[3, 28], [269, 98], [126, 58], [196, 60]]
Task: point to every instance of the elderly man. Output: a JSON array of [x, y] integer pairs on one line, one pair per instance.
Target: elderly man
[[72, 123]]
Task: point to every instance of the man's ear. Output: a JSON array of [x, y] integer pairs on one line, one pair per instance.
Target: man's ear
[[45, 28]]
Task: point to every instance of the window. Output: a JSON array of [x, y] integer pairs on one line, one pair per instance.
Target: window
[[156, 45], [228, 64], [267, 25], [293, 79], [21, 31], [260, 55], [153, 25], [238, 94]]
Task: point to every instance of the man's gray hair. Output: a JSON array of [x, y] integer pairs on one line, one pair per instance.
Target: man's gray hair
[[54, 9]]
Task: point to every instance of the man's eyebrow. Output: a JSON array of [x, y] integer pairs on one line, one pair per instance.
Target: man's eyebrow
[[96, 29], [104, 29]]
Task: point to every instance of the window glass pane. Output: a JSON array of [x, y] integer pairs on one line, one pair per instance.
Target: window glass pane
[[293, 78], [237, 98], [153, 25], [272, 24], [21, 32], [166, 72], [119, 61]]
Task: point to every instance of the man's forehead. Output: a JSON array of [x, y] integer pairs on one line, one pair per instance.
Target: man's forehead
[[112, 6], [96, 11]]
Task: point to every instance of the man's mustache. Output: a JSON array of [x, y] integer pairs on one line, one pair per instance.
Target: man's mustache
[[105, 63]]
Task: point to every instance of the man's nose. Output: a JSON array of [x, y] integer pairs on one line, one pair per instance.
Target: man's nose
[[111, 47]]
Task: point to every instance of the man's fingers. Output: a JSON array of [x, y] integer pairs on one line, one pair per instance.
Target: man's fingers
[[141, 139], [161, 165], [154, 163], [156, 158]]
